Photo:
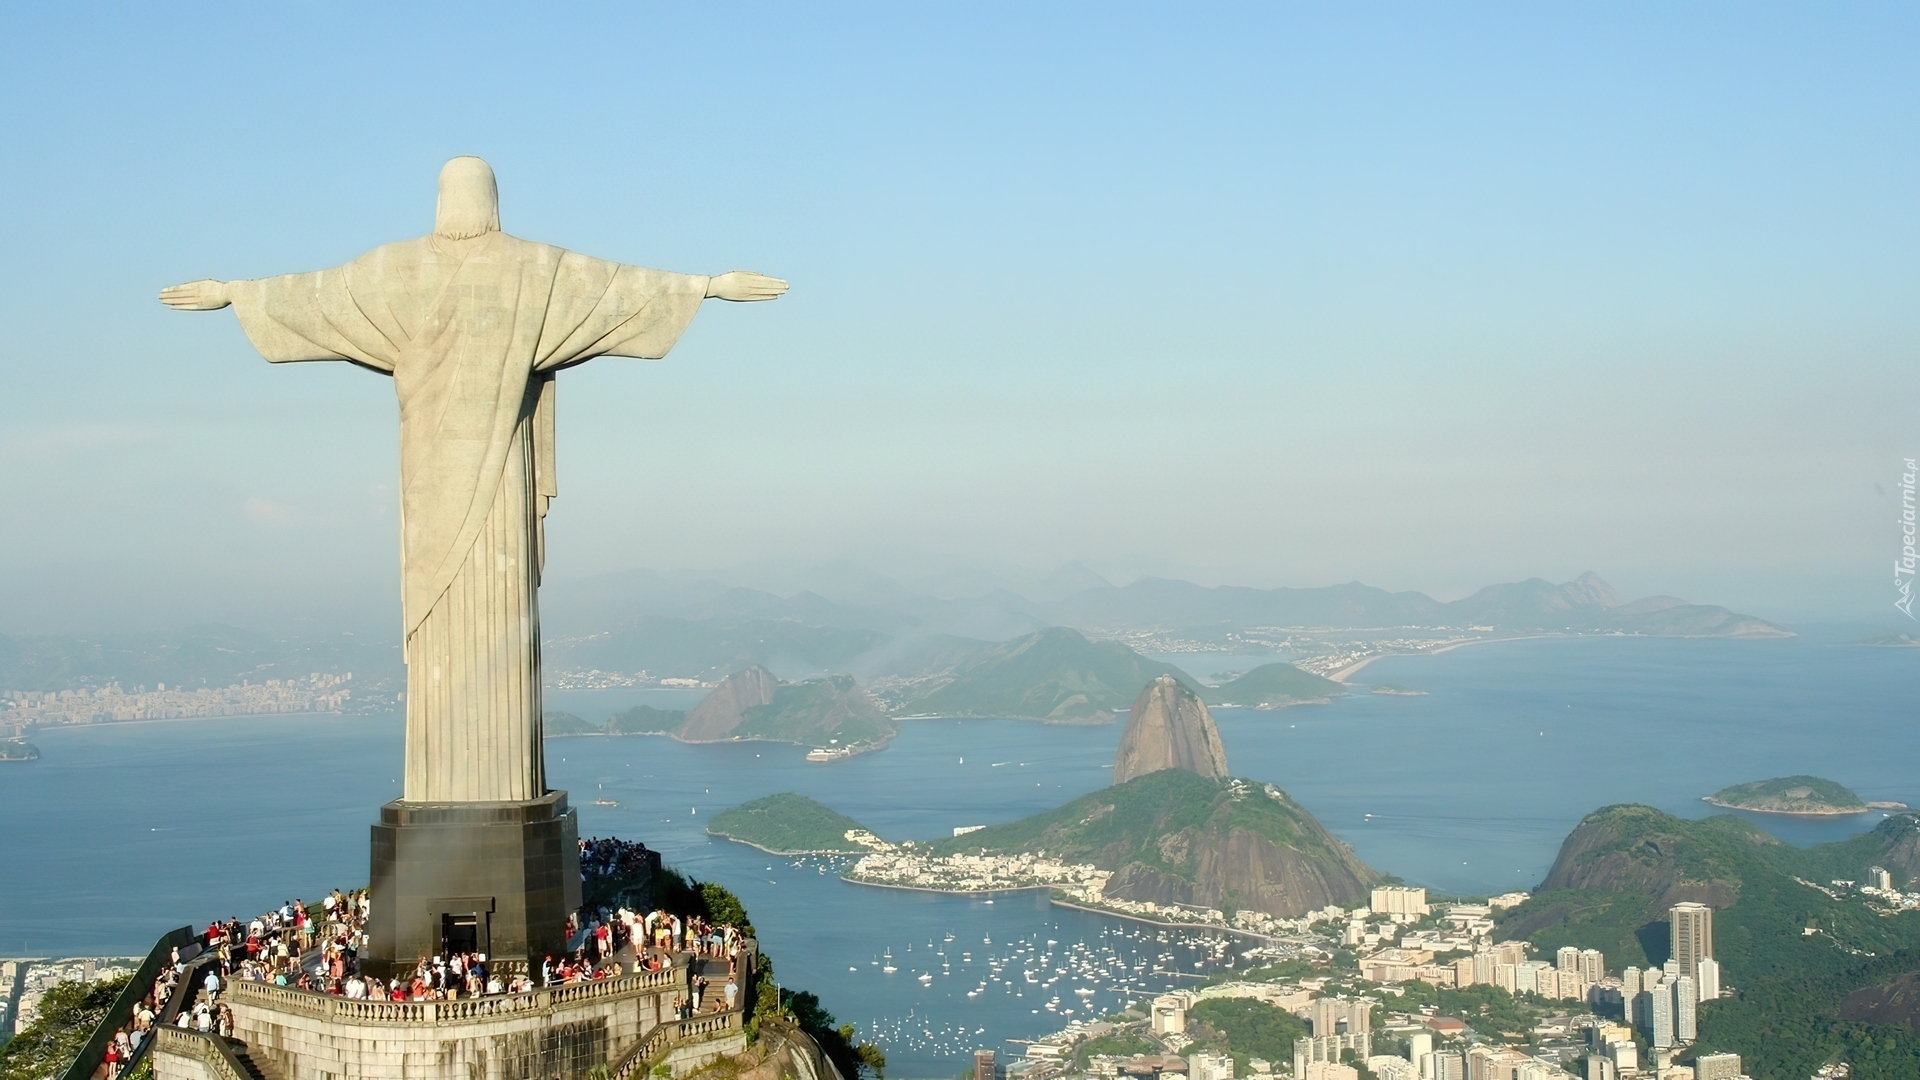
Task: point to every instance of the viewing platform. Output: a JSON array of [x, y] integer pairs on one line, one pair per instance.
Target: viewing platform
[[630, 1024]]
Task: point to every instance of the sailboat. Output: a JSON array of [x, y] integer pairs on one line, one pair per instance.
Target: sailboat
[[889, 968]]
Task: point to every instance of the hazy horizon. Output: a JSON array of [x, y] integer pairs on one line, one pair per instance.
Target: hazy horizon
[[1427, 299]]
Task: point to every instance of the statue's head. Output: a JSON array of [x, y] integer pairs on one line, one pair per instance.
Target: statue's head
[[469, 200]]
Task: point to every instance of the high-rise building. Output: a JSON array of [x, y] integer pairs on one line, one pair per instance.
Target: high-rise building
[[1630, 985], [1483, 965], [1709, 980], [1692, 926], [1419, 1045], [1443, 1066], [1659, 1016], [1685, 998], [1340, 1016], [1881, 878], [1402, 902], [1716, 1067], [1593, 965], [1567, 959], [1528, 976], [983, 1067], [1169, 1014]]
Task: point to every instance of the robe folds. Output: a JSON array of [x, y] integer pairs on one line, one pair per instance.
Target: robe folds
[[472, 332]]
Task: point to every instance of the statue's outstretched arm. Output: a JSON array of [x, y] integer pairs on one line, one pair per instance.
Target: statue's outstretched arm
[[205, 295], [740, 286]]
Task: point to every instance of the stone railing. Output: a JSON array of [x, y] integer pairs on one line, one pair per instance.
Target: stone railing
[[337, 1009], [206, 1049], [120, 1012], [664, 1036]]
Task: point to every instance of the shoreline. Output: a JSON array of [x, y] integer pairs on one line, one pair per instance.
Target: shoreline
[[1711, 801], [783, 854], [1057, 902], [1344, 673], [945, 892], [43, 729]]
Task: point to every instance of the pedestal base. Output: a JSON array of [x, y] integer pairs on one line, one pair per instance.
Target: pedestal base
[[497, 878]]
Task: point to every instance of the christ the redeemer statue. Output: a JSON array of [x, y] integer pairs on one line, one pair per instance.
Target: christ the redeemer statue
[[472, 324]]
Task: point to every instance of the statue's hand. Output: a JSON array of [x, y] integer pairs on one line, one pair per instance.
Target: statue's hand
[[743, 286], [204, 295]]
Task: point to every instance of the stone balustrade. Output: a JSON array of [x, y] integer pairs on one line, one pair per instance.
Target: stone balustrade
[[333, 1008], [212, 1056]]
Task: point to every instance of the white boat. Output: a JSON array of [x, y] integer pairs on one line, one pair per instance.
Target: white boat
[[926, 978]]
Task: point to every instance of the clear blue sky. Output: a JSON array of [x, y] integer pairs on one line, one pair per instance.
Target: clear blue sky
[[1428, 296]]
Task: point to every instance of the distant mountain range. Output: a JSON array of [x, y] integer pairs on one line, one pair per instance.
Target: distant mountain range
[[753, 705], [1054, 674], [875, 629], [1586, 603]]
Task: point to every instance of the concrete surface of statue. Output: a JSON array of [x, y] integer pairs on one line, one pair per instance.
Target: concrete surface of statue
[[472, 324]]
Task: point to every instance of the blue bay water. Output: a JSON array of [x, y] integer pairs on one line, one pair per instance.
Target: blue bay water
[[122, 831]]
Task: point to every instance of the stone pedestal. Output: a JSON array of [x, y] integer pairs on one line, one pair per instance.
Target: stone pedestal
[[497, 877]]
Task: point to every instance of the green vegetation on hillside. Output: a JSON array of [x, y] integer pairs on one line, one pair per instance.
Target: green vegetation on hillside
[[1176, 836], [1624, 866], [818, 712], [786, 824], [558, 724], [1274, 685], [1790, 795], [1246, 1029], [1055, 674], [69, 1013]]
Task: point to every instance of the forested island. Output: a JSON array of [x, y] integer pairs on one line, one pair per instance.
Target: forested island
[[1790, 795], [18, 750], [789, 824]]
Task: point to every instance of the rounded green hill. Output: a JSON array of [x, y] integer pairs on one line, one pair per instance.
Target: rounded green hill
[[1790, 795], [787, 824]]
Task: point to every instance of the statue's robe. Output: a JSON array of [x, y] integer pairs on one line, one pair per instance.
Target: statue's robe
[[472, 332]]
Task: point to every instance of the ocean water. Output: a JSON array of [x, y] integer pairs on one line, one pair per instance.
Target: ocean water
[[122, 831]]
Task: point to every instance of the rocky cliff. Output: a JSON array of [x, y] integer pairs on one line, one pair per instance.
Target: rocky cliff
[[818, 712], [1169, 728], [720, 712]]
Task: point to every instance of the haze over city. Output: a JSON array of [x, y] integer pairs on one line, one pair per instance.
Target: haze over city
[[1260, 297]]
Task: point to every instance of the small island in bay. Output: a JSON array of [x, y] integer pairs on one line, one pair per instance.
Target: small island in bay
[[1809, 795], [18, 750], [1890, 641], [1393, 690], [789, 824], [1276, 686]]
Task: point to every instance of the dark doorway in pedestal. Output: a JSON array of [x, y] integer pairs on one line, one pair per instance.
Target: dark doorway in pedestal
[[459, 933]]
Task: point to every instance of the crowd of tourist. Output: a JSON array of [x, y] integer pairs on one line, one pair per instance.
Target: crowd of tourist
[[613, 857], [317, 948], [268, 949]]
